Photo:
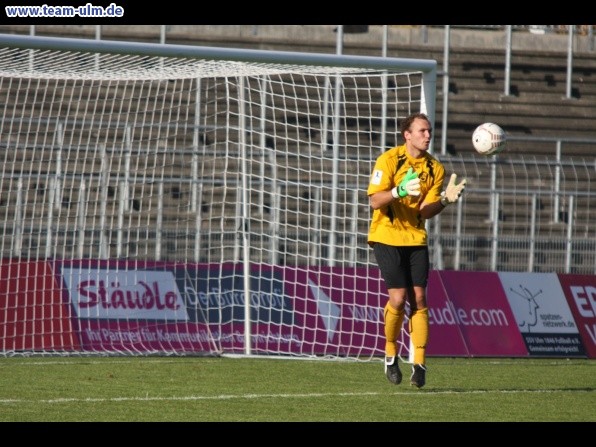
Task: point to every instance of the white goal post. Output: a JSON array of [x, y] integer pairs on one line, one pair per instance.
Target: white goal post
[[178, 200]]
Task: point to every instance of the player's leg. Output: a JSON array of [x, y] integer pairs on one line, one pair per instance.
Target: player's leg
[[419, 324], [389, 260], [393, 320]]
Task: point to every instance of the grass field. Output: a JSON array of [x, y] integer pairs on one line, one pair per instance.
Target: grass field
[[212, 389]]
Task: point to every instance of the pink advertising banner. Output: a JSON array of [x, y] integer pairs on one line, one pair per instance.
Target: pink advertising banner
[[474, 305], [310, 310], [580, 291], [445, 336], [31, 309], [342, 307]]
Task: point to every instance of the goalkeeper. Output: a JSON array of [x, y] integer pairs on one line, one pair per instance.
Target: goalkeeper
[[405, 190]]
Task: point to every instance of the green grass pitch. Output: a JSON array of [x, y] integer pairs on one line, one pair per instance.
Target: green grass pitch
[[248, 389]]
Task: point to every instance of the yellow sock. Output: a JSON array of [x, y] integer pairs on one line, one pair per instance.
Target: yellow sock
[[419, 334], [393, 321]]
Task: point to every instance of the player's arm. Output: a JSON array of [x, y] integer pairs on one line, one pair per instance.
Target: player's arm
[[380, 199], [429, 210], [450, 195], [409, 186]]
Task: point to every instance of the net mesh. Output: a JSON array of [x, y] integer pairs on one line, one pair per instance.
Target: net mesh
[[183, 206]]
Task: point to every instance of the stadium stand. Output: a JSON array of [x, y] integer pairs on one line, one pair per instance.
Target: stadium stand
[[536, 106]]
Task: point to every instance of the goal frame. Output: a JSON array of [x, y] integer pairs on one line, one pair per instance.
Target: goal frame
[[428, 68]]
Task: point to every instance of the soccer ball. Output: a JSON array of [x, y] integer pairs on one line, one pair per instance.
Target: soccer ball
[[489, 139]]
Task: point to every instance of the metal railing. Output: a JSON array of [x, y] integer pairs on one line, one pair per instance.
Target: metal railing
[[518, 213]]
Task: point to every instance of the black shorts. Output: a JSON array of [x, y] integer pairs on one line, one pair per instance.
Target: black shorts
[[402, 267]]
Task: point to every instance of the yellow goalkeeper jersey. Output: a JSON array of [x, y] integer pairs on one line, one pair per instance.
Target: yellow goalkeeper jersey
[[399, 223]]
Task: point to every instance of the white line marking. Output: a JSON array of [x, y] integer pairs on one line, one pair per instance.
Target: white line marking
[[277, 396]]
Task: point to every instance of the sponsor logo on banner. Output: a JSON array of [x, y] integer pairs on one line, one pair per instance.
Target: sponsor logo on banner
[[124, 294], [542, 313], [216, 294]]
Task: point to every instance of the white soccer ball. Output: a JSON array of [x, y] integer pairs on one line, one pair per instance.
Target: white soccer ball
[[489, 139]]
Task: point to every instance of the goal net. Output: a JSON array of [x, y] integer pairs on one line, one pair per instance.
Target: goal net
[[177, 200]]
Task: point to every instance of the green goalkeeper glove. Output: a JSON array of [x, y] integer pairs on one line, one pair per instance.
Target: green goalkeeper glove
[[453, 191], [410, 185]]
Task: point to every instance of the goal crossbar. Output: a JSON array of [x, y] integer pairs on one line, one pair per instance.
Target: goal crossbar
[[428, 66]]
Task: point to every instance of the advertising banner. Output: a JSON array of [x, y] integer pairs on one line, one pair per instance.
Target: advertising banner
[[474, 304], [445, 335], [123, 309], [146, 307], [542, 313], [580, 291], [31, 307]]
